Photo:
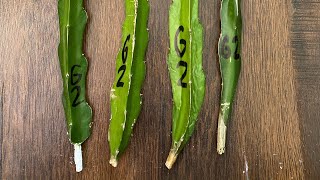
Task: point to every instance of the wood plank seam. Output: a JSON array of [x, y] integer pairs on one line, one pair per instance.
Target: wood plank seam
[[1, 124]]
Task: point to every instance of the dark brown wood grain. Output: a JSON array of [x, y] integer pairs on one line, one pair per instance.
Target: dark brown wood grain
[[306, 53], [275, 120]]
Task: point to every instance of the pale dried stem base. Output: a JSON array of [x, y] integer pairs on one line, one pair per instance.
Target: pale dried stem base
[[221, 138], [171, 159], [113, 161]]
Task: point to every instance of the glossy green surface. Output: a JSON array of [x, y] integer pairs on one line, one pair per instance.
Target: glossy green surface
[[72, 19], [231, 27], [126, 99], [187, 98]]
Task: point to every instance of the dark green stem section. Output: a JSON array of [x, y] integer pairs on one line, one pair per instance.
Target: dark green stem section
[[73, 18]]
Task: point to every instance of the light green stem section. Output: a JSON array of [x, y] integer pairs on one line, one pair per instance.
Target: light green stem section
[[185, 67], [130, 73]]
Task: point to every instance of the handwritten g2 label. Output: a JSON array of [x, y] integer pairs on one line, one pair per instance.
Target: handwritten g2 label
[[225, 50], [124, 56], [181, 54], [75, 80]]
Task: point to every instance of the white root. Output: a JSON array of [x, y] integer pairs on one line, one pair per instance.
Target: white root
[[78, 157]]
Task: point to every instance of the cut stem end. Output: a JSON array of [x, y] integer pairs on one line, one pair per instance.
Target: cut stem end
[[221, 137], [78, 157], [113, 161], [171, 159]]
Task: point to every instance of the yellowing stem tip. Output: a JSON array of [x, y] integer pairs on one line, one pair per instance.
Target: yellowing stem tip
[[171, 159], [113, 161]]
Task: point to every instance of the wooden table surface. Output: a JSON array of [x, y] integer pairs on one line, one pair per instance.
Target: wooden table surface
[[275, 124]]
